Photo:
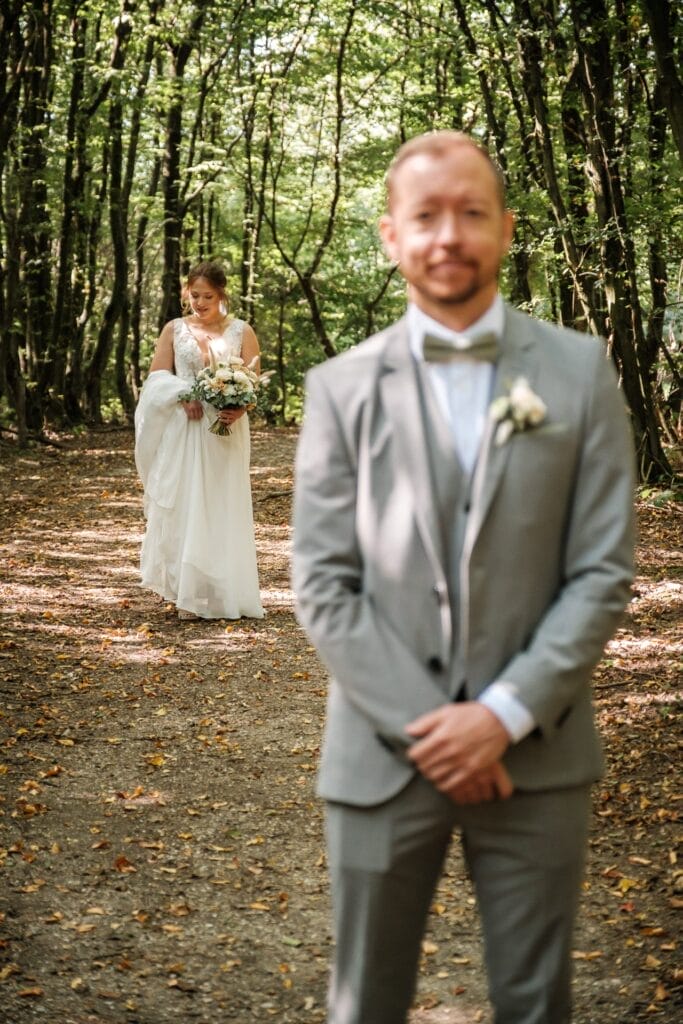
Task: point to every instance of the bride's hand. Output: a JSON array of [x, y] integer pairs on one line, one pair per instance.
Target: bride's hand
[[193, 410], [230, 415]]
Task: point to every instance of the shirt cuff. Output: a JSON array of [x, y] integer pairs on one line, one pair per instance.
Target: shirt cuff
[[516, 718]]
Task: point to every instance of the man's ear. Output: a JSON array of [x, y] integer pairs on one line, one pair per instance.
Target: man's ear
[[388, 236]]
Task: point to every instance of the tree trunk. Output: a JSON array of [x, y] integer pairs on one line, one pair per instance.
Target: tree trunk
[[12, 57], [138, 281], [34, 226], [173, 221], [306, 276], [521, 292], [73, 194], [118, 304], [532, 63], [668, 56], [592, 36]]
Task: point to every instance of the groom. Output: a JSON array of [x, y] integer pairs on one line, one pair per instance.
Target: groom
[[463, 547]]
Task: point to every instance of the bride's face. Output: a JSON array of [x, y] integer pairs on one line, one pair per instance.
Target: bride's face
[[205, 301]]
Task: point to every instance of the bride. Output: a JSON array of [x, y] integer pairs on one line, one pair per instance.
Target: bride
[[198, 550]]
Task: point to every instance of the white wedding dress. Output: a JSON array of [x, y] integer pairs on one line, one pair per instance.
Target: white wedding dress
[[199, 550]]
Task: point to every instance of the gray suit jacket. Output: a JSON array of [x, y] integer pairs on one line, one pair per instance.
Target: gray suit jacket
[[544, 575]]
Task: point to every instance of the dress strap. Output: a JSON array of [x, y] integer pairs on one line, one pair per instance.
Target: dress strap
[[234, 333]]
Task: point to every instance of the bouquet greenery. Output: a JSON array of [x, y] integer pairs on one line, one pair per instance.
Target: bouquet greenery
[[226, 385]]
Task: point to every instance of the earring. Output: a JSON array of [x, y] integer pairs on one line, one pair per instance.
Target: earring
[[223, 309]]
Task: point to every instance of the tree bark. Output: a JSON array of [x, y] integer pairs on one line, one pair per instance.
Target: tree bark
[[531, 57], [12, 58], [659, 18], [118, 304], [626, 335], [170, 176], [34, 226], [67, 290]]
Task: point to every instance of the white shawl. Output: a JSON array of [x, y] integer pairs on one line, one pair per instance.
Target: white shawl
[[160, 436]]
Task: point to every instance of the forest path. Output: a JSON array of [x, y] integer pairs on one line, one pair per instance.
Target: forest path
[[161, 848]]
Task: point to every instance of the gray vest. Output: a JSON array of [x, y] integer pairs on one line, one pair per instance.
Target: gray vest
[[451, 488]]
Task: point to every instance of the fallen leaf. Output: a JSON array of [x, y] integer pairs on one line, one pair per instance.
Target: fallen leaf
[[34, 886], [179, 909], [123, 865]]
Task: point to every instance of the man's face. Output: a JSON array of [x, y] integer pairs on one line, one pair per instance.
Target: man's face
[[448, 231]]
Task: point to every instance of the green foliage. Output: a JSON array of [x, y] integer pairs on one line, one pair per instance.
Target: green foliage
[[289, 114], [660, 497]]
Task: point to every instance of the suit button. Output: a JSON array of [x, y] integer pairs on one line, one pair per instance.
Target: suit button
[[435, 664]]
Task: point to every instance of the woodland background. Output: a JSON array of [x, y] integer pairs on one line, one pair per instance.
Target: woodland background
[[138, 136], [160, 842]]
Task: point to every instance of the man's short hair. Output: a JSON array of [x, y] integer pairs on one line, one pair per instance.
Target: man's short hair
[[437, 144]]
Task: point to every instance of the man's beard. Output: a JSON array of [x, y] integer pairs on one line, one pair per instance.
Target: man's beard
[[466, 293]]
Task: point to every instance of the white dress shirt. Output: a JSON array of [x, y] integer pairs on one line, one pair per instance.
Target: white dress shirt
[[463, 390]]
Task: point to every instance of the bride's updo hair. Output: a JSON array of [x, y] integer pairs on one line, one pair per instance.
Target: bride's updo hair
[[213, 273]]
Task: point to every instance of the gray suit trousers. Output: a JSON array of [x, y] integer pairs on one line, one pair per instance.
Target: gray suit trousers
[[525, 856]]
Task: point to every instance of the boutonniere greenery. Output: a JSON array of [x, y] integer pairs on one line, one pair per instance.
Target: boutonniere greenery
[[521, 409]]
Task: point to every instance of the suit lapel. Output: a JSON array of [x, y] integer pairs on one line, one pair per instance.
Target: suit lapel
[[400, 398], [516, 361]]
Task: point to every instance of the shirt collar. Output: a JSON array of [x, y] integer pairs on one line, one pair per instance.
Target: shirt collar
[[420, 324]]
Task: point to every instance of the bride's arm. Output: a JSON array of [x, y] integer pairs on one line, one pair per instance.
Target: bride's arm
[[163, 353], [163, 360], [250, 348]]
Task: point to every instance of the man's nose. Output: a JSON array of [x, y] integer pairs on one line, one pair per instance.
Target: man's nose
[[449, 232]]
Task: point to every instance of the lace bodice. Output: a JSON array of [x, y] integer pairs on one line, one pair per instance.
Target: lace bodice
[[188, 357]]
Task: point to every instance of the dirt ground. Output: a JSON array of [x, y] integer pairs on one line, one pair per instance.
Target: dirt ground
[[161, 852]]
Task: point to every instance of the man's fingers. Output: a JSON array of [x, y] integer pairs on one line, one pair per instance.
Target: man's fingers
[[424, 724], [470, 793], [502, 781], [462, 787]]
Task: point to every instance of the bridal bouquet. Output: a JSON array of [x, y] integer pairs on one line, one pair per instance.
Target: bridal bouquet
[[226, 385]]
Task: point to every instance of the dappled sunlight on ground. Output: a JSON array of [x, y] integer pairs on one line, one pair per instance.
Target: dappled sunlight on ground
[[162, 857]]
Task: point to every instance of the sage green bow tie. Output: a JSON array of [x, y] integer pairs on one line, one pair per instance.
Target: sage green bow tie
[[482, 347]]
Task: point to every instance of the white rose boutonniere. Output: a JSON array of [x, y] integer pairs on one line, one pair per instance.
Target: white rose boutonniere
[[521, 409]]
